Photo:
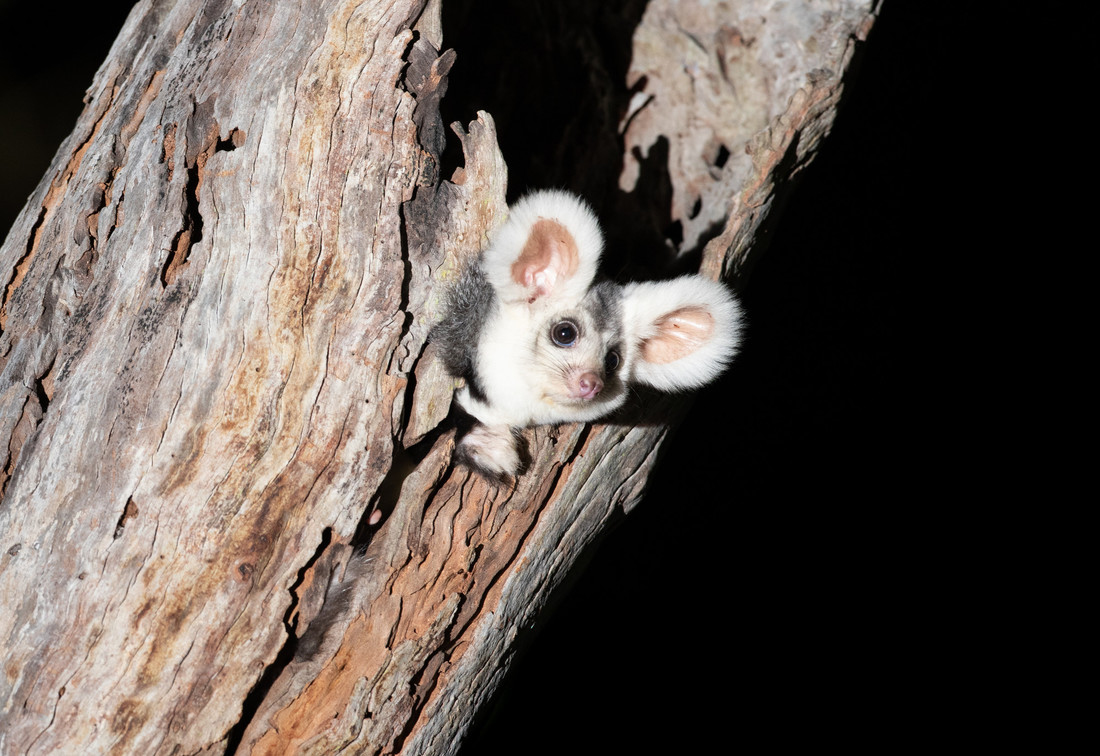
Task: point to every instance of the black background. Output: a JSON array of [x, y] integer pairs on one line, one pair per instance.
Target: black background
[[765, 589], [772, 587]]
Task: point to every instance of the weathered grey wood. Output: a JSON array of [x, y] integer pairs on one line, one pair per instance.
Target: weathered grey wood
[[212, 332]]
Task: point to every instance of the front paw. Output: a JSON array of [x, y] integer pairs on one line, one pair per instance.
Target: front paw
[[492, 450]]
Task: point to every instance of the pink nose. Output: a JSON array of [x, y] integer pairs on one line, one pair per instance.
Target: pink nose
[[588, 385]]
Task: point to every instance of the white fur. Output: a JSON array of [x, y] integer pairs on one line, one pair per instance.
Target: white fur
[[522, 373], [520, 394], [492, 448], [508, 241], [644, 304]]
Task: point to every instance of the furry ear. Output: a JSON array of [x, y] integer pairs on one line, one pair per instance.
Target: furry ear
[[682, 332], [549, 246]]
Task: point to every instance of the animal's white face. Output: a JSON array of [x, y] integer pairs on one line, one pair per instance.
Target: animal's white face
[[578, 356]]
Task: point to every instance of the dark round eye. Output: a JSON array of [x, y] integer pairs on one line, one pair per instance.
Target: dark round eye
[[611, 362], [564, 334]]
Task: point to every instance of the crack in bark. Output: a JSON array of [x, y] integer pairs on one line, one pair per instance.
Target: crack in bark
[[286, 654], [190, 233], [102, 200], [129, 511], [32, 414], [168, 150], [429, 669]]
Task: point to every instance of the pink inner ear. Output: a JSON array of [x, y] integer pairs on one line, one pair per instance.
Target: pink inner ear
[[549, 254], [679, 333]]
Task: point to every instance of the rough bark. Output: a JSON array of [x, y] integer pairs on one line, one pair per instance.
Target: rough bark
[[215, 380]]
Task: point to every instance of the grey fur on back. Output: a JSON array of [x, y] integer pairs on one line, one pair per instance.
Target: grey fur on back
[[469, 303]]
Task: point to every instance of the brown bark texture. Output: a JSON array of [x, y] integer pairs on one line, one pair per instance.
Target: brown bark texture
[[216, 381]]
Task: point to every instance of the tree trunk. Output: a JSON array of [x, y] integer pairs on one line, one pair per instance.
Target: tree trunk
[[216, 385]]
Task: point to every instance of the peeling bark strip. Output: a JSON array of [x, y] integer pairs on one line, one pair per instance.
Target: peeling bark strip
[[213, 401]]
